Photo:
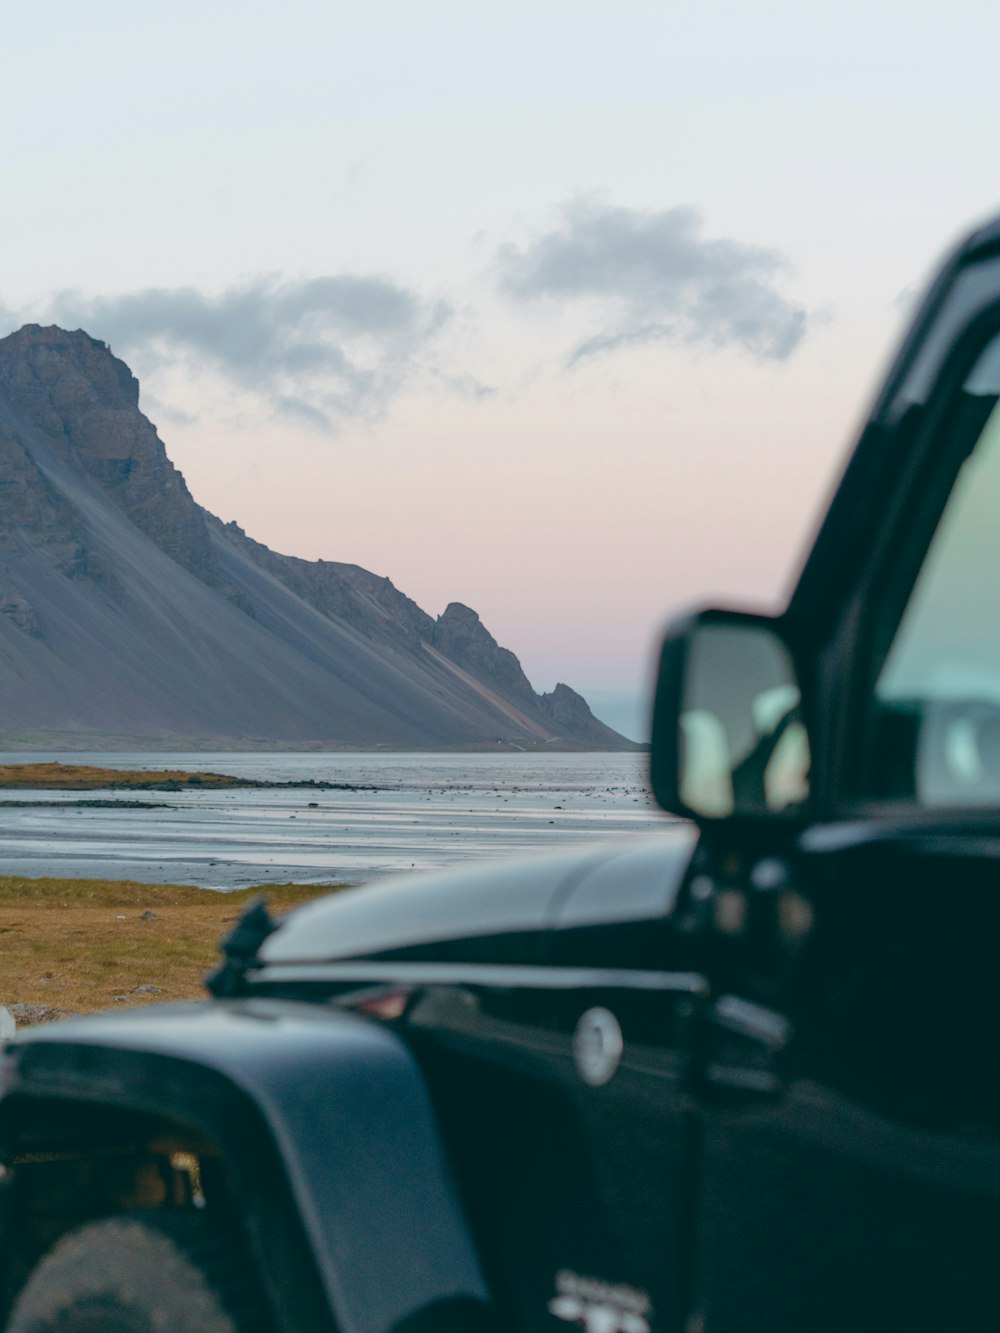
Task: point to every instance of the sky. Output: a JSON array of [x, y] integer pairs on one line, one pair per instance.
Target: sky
[[568, 312]]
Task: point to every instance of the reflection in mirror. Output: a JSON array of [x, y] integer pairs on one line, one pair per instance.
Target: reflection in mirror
[[744, 748]]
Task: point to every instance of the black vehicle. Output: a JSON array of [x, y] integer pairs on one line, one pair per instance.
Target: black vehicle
[[744, 1076]]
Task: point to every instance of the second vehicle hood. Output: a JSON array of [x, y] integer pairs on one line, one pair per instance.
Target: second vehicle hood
[[498, 912]]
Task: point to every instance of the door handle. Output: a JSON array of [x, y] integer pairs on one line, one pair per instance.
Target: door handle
[[739, 1051]]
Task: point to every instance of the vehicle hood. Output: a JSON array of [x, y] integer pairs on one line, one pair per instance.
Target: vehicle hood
[[505, 911]]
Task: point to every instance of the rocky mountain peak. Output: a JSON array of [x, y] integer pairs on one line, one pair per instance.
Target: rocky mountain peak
[[86, 402], [127, 610], [572, 717], [462, 636], [50, 365]]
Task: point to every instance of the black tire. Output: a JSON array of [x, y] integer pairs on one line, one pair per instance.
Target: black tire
[[144, 1273]]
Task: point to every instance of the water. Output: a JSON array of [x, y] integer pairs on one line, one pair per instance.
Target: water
[[429, 811]]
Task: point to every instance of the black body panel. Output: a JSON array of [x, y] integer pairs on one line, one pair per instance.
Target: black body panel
[[860, 1187], [498, 913], [557, 1174]]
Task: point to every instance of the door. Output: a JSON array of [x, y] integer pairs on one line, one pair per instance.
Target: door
[[562, 1086], [849, 1071]]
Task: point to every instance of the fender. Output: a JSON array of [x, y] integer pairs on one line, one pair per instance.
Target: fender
[[326, 1129]]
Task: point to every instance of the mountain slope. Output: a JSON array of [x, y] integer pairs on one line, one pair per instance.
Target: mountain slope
[[126, 610]]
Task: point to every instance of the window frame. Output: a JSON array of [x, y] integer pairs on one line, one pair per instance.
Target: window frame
[[873, 613]]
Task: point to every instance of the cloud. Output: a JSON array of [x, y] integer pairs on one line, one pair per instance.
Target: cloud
[[165, 412], [650, 276], [318, 350]]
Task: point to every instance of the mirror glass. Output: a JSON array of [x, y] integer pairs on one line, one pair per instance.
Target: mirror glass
[[743, 745]]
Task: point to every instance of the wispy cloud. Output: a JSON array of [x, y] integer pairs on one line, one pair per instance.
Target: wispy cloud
[[165, 412], [651, 275], [319, 350]]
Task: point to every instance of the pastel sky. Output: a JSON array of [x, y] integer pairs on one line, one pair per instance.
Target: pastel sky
[[566, 311]]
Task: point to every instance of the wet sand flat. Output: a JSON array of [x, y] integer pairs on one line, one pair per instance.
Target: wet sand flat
[[387, 813]]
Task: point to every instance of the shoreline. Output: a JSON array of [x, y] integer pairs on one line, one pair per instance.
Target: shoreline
[[379, 815], [57, 776], [75, 742]]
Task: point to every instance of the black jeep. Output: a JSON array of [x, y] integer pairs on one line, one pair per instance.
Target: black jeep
[[743, 1076]]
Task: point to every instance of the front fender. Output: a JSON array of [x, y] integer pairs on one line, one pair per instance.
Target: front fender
[[326, 1129]]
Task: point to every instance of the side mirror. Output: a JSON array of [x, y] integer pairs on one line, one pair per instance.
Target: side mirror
[[729, 740]]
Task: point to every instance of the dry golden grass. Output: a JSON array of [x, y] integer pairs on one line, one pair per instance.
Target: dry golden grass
[[78, 944], [71, 777]]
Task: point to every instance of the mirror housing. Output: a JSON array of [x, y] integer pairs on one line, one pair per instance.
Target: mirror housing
[[728, 738]]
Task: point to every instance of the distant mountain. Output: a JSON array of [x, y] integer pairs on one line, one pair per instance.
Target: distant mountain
[[129, 613]]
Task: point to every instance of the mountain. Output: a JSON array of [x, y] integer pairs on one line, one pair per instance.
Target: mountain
[[129, 613]]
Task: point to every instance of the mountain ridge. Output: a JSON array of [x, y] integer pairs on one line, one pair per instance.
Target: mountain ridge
[[127, 610]]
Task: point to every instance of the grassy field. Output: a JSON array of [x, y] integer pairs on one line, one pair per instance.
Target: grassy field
[[77, 945], [86, 777]]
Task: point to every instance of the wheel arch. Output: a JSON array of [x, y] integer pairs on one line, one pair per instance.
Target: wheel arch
[[319, 1121]]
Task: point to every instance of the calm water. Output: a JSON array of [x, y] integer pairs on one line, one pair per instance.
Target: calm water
[[429, 810]]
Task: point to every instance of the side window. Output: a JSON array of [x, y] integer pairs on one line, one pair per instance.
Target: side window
[[934, 736]]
